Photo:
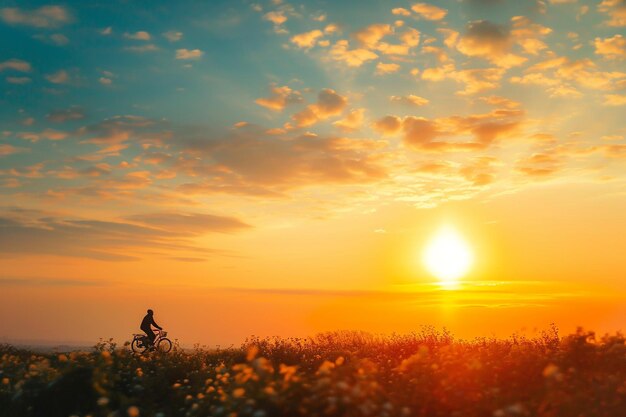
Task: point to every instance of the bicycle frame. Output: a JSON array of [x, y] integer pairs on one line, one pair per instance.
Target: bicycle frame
[[159, 334]]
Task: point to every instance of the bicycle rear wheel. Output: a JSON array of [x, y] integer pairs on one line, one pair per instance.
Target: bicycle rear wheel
[[164, 345], [137, 347]]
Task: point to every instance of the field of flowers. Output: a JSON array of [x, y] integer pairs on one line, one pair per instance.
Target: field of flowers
[[428, 374]]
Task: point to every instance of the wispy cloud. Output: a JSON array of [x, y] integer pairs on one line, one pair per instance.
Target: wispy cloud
[[45, 17]]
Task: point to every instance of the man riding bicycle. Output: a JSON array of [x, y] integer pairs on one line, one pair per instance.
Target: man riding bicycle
[[146, 326]]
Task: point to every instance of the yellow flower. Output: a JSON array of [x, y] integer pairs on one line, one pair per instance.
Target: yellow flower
[[132, 411]]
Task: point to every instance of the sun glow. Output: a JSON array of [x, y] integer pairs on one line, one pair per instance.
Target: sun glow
[[448, 257]]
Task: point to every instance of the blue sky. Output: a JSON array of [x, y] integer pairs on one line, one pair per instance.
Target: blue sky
[[285, 139]]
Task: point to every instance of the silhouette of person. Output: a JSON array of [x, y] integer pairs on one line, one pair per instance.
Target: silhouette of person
[[146, 326]]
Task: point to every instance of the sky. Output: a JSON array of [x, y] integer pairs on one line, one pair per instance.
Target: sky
[[278, 167]]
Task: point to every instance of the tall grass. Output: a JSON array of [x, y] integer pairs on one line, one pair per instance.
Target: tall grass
[[427, 373]]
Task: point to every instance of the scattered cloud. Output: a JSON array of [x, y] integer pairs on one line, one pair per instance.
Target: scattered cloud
[[280, 97], [386, 68], [616, 10], [611, 48], [306, 40], [190, 223], [6, 149], [150, 47], [173, 36], [64, 115], [328, 104], [388, 125], [276, 17], [45, 17], [251, 162], [429, 12], [18, 80], [353, 120], [189, 54], [614, 100], [491, 41], [59, 77], [139, 36], [410, 100], [471, 133], [352, 57], [369, 36], [57, 39], [33, 232], [15, 65], [400, 11]]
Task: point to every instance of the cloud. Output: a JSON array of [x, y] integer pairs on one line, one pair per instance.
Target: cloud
[[45, 17], [352, 57], [478, 80], [419, 131], [564, 71], [501, 102], [306, 40], [428, 11], [173, 36], [410, 100], [139, 36], [6, 149], [112, 133], [616, 10], [59, 77], [64, 115], [18, 80], [388, 125], [539, 165], [353, 120], [105, 81], [611, 48], [39, 233], [280, 97], [277, 18], [491, 41], [106, 31], [479, 171], [150, 47], [15, 65], [49, 134], [189, 54], [369, 36], [474, 80], [410, 37], [384, 68], [251, 162], [190, 223], [328, 104], [480, 130], [400, 11], [614, 100], [57, 39], [50, 282]]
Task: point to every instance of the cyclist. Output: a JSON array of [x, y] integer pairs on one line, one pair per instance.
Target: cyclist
[[146, 326]]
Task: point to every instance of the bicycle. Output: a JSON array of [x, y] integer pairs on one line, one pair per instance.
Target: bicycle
[[141, 343]]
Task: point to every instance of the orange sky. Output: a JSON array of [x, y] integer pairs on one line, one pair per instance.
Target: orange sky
[[278, 169]]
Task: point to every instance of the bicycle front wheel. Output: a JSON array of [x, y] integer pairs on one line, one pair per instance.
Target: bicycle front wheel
[[164, 345]]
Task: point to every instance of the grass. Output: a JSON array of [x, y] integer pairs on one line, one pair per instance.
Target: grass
[[427, 373]]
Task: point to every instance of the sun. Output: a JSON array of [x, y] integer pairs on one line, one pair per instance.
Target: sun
[[448, 257]]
